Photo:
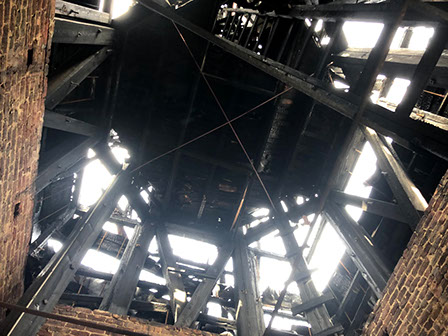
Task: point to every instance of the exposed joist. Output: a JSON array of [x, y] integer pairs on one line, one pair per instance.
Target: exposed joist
[[77, 32], [363, 254], [47, 288], [80, 12], [406, 132], [202, 293], [376, 207], [67, 124], [65, 82], [408, 197], [119, 294], [61, 159]]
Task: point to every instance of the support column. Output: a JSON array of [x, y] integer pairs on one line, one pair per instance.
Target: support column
[[48, 287], [202, 293], [249, 311], [120, 292], [363, 253], [178, 295]]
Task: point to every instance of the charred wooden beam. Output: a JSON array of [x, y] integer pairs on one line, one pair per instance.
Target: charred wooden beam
[[367, 259], [61, 159], [178, 295], [311, 304], [409, 198], [120, 292], [64, 83], [67, 124], [376, 207], [202, 293], [423, 72], [47, 288], [78, 32], [346, 298], [266, 254], [249, 311], [72, 10]]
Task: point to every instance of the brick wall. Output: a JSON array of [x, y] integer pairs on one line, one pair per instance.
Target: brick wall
[[56, 328], [24, 49], [415, 301]]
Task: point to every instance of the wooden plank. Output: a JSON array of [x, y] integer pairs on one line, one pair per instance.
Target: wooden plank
[[423, 72], [62, 84], [376, 207], [364, 255], [409, 198], [47, 288], [76, 32], [202, 293], [72, 10], [67, 124], [345, 299]]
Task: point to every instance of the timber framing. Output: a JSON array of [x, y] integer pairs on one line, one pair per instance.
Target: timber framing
[[77, 32]]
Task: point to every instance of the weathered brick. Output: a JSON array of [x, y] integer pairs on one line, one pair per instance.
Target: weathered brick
[[416, 297]]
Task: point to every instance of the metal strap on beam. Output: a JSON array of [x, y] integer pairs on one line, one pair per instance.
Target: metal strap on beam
[[202, 293], [64, 83], [409, 198], [356, 239], [45, 291], [67, 124], [60, 159], [119, 294], [78, 32], [370, 205]]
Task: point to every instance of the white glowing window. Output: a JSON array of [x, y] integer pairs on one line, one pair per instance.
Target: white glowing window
[[397, 90], [275, 280], [100, 262], [54, 244], [120, 7], [362, 34], [214, 309], [420, 37], [194, 250], [262, 212], [110, 227], [150, 277]]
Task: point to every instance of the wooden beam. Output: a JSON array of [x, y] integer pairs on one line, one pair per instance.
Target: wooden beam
[[62, 84], [423, 72], [47, 288], [311, 304], [356, 239], [178, 295], [409, 198], [346, 298], [67, 124], [370, 205], [119, 294], [202, 293], [72, 10], [77, 32], [249, 310]]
